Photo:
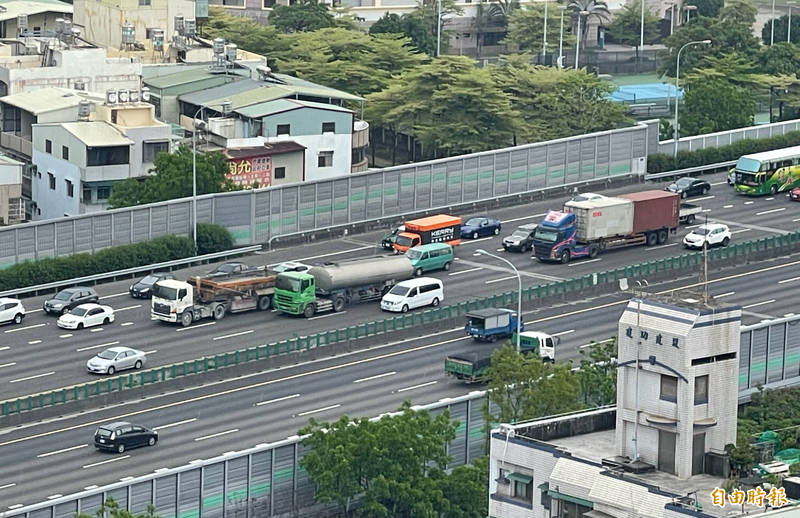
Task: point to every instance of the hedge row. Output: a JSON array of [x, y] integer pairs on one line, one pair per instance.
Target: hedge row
[[31, 273], [660, 162], [213, 238]]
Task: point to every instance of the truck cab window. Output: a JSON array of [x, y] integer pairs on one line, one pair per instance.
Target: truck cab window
[[306, 283], [182, 293]]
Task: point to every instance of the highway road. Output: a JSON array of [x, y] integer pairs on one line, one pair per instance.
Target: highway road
[[55, 457], [37, 356]]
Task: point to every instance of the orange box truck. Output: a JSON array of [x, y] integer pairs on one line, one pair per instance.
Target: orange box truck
[[433, 229]]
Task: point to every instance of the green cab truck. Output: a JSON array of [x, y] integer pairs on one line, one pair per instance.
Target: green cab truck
[[331, 286], [472, 366]]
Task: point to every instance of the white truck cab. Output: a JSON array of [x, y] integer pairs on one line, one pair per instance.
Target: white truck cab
[[170, 299]]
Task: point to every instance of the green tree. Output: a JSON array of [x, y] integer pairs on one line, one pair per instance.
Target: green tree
[[111, 509], [213, 238], [627, 24], [389, 23], [525, 28], [466, 490], [245, 32], [706, 7], [781, 26], [301, 16], [173, 179], [780, 59], [412, 26], [448, 105], [715, 105], [598, 373], [739, 11]]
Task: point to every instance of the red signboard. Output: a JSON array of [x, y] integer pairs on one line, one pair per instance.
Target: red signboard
[[249, 171]]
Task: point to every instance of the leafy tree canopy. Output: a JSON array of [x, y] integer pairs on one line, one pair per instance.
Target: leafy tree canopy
[[626, 26], [412, 26], [705, 7], [715, 105], [111, 509], [598, 373], [525, 28], [265, 40], [781, 58], [781, 29], [173, 179], [301, 16]]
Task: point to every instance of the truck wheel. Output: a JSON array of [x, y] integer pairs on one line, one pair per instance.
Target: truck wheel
[[309, 311], [219, 312], [186, 318], [446, 267], [662, 237], [690, 219], [593, 251], [652, 238], [565, 257], [338, 304], [264, 303], [773, 190]]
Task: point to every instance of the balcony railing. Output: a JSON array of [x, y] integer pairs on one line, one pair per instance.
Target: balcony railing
[[21, 145]]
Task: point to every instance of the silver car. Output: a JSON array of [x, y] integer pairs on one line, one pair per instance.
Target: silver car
[[116, 359]]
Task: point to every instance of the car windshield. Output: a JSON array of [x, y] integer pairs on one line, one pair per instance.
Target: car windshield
[[150, 279], [751, 179], [164, 292], [403, 241], [108, 354], [413, 255], [749, 165], [684, 182], [226, 268], [521, 233], [474, 222], [286, 283], [548, 236], [701, 231], [63, 295], [402, 291], [79, 312], [104, 432]]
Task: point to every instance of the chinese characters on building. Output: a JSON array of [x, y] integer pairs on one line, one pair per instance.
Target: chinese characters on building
[[659, 338], [249, 171], [757, 497]]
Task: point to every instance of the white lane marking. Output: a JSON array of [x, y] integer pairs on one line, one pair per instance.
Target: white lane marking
[[97, 330], [770, 211], [795, 220], [125, 479], [770, 301], [784, 281], [706, 210], [15, 506], [78, 447], [331, 253], [468, 241], [726, 294], [52, 497], [465, 271], [727, 206], [748, 203], [563, 333], [718, 183], [5, 348], [7, 364], [87, 348], [178, 423], [501, 279], [769, 199], [327, 315], [65, 336], [195, 327], [116, 459], [385, 374], [417, 386], [276, 400], [33, 377], [93, 486], [226, 432], [584, 346], [24, 328], [660, 246], [114, 295], [740, 231], [307, 412], [580, 262], [8, 485], [34, 342], [499, 249], [704, 198], [240, 333], [125, 324], [151, 352], [126, 308], [33, 310], [523, 217]]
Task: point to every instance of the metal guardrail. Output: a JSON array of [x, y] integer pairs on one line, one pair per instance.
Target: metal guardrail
[[689, 170], [388, 325], [93, 279]]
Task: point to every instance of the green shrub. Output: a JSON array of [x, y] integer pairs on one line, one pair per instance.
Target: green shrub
[[52, 269], [660, 162], [213, 238]]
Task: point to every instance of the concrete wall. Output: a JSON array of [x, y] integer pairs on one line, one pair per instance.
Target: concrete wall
[[55, 203], [293, 162]]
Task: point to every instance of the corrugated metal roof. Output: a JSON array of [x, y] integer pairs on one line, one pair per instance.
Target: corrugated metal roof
[[48, 99], [323, 106], [180, 78], [222, 92], [97, 133], [628, 495], [14, 8], [281, 105]]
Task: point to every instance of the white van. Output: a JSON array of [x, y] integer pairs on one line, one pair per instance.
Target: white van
[[413, 293]]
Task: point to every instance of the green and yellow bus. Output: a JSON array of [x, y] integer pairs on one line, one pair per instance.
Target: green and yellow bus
[[769, 172]]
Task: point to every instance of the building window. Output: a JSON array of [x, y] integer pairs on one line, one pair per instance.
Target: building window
[[701, 390], [112, 155], [329, 127], [70, 189], [103, 193], [87, 195], [65, 152], [151, 149], [233, 3], [48, 146], [268, 4], [52, 179], [493, 38], [144, 3], [325, 159], [669, 388], [283, 129], [546, 501], [280, 172]]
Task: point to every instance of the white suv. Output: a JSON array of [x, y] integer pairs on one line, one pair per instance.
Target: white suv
[[11, 310], [710, 234]]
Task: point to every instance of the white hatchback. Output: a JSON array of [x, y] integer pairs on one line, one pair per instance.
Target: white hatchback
[[86, 315], [11, 310], [413, 293], [709, 234]]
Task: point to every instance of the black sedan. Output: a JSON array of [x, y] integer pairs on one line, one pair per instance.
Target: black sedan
[[143, 288], [228, 269], [479, 227], [688, 186], [122, 435]]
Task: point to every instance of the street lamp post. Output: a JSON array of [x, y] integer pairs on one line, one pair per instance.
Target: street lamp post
[[578, 43], [641, 38], [671, 19], [561, 38], [438, 27], [544, 33], [226, 109], [689, 9], [772, 25], [519, 292], [789, 26], [677, 79]]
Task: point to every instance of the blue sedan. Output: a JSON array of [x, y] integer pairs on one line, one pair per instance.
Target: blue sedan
[[478, 227]]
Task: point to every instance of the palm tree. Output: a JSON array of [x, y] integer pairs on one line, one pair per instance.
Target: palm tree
[[596, 9], [494, 13]]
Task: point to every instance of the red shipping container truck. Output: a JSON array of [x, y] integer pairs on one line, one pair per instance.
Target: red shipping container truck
[[654, 210]]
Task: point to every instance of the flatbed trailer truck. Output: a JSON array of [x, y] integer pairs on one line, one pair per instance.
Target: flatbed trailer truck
[[473, 365]]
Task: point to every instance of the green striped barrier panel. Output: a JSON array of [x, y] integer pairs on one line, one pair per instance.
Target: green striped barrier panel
[[383, 326]]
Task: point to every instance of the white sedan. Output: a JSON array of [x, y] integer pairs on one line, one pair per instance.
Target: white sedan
[[86, 315], [116, 359], [710, 234]]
